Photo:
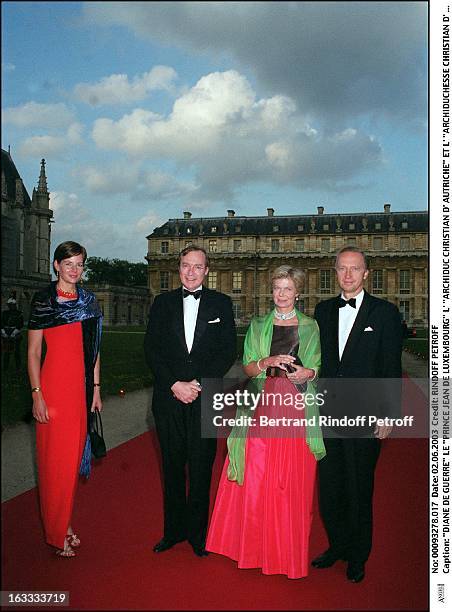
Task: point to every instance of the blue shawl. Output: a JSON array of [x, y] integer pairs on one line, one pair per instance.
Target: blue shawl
[[47, 311]]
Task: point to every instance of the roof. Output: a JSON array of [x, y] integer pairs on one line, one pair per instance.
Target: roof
[[11, 174], [380, 222]]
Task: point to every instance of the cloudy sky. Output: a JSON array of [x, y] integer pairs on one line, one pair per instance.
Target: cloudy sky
[[143, 110]]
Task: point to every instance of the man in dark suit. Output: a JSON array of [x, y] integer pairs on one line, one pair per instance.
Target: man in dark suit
[[360, 338], [190, 336]]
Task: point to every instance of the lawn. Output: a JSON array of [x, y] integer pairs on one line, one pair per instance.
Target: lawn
[[122, 367]]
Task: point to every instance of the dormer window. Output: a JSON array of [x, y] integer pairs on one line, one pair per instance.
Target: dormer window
[[326, 227], [300, 228], [213, 229], [165, 231], [377, 225], [351, 226], [276, 228], [189, 230], [404, 224], [238, 229]]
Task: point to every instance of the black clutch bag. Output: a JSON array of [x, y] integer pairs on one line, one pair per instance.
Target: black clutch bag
[[301, 388], [96, 435]]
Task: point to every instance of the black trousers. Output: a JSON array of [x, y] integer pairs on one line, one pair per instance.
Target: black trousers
[[186, 513], [346, 485]]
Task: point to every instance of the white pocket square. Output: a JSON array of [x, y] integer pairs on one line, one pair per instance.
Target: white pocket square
[[368, 329], [217, 320]]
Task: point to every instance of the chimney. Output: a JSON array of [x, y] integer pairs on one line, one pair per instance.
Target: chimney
[[231, 213], [187, 215], [270, 212], [387, 208], [320, 210]]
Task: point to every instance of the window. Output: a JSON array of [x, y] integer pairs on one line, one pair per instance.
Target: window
[[404, 224], [165, 231], [377, 281], [164, 247], [377, 225], [275, 245], [188, 230], [404, 243], [404, 308], [236, 282], [299, 245], [326, 227], [212, 246], [237, 310], [164, 281], [351, 226], [276, 228], [300, 228], [212, 280], [238, 229], [404, 281], [325, 245], [325, 281], [237, 246], [378, 243], [351, 241], [213, 229]]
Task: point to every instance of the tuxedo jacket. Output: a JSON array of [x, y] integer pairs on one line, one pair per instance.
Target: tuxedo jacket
[[214, 347], [372, 354]]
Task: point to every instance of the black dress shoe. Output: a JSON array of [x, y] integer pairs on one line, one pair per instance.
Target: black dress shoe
[[200, 551], [165, 544], [326, 559], [355, 571]]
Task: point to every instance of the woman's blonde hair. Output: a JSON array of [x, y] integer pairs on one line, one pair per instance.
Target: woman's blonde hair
[[295, 274]]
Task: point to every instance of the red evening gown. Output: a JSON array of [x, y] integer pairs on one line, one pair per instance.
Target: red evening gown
[[60, 442], [266, 522]]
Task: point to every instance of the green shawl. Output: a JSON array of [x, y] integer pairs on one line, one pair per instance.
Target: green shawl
[[257, 346]]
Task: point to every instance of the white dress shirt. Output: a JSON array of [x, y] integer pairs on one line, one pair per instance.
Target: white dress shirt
[[191, 307], [347, 317]]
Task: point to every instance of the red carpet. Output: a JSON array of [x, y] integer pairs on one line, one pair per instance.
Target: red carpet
[[118, 515]]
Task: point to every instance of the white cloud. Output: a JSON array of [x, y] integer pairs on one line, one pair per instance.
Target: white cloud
[[336, 59], [229, 137], [148, 222], [8, 67], [49, 145], [109, 180], [43, 116], [117, 89], [101, 237]]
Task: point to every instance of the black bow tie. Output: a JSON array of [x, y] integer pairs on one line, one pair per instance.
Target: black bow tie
[[195, 294], [351, 302]]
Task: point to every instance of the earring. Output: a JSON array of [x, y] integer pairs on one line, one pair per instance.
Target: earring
[[58, 275], [81, 282]]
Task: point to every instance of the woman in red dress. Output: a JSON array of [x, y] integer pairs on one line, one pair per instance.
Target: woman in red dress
[[68, 319], [263, 509]]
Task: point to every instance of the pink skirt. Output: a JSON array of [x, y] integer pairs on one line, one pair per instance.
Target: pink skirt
[[266, 522]]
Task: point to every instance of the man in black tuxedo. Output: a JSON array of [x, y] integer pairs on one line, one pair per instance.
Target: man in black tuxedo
[[190, 336], [360, 338]]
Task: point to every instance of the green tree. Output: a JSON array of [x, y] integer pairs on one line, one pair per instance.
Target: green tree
[[115, 272]]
